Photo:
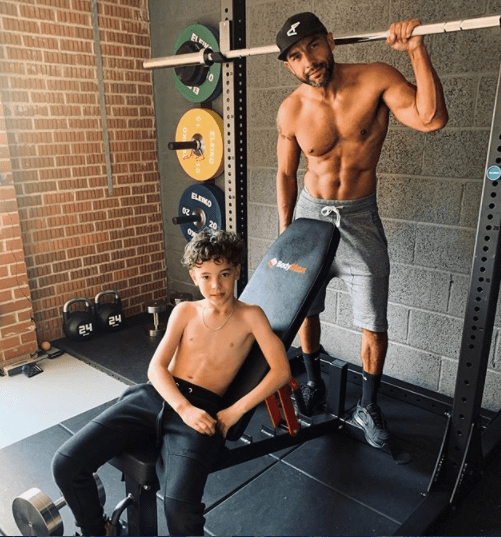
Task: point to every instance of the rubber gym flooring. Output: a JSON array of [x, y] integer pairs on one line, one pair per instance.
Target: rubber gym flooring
[[332, 485]]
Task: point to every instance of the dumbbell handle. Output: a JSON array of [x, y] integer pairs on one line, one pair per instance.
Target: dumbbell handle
[[191, 144], [187, 219], [59, 504]]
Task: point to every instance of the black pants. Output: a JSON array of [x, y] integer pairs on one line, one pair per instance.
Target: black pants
[[141, 417]]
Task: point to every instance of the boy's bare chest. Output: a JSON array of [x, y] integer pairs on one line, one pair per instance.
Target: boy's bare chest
[[217, 344]]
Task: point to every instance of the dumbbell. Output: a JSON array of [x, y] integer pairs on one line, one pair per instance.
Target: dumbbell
[[155, 308], [36, 514]]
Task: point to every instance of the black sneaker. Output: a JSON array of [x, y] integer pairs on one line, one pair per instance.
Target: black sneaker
[[311, 397], [371, 420]]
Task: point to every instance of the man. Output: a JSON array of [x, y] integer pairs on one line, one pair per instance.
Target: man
[[338, 118]]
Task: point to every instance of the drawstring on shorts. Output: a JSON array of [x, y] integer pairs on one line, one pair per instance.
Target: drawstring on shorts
[[329, 209]]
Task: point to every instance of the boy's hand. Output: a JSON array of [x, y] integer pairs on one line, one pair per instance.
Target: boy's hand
[[226, 418], [198, 419]]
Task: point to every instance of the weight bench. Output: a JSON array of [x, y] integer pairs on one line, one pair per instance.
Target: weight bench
[[284, 284]]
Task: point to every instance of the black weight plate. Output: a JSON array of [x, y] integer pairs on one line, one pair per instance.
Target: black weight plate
[[204, 199]]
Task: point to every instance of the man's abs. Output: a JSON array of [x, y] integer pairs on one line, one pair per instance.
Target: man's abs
[[340, 187]]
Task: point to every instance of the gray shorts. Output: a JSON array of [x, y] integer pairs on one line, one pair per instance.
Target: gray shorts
[[361, 260]]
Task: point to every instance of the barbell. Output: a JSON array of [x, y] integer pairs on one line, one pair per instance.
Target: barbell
[[208, 56], [36, 514]]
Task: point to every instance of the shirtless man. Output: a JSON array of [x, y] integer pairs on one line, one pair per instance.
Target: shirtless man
[[205, 344], [338, 118]]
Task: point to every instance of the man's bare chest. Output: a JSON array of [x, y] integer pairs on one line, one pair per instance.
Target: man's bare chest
[[321, 129]]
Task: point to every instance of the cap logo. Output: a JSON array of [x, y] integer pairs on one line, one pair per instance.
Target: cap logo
[[292, 30]]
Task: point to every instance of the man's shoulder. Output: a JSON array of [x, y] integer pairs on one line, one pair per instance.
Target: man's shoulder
[[376, 75], [364, 68], [369, 69], [294, 97], [291, 105]]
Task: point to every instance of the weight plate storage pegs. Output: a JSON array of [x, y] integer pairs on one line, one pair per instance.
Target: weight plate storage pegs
[[198, 83], [200, 206], [199, 144]]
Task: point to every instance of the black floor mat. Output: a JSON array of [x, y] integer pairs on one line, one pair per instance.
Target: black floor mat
[[332, 485], [125, 353]]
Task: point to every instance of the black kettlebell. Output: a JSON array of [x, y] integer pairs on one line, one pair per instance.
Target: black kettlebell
[[109, 316], [78, 324]]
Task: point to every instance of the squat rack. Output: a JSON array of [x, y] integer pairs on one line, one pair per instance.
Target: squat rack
[[467, 445]]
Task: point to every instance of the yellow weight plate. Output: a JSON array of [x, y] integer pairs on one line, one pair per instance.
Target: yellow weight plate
[[205, 127]]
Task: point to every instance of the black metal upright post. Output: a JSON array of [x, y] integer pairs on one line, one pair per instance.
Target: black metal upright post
[[462, 454], [233, 36]]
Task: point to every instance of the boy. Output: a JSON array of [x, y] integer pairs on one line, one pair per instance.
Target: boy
[[202, 350]]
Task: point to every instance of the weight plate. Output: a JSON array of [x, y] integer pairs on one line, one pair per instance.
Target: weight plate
[[35, 514], [206, 200], [206, 126], [211, 88]]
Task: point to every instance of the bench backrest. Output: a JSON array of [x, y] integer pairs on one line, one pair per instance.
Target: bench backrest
[[284, 284]]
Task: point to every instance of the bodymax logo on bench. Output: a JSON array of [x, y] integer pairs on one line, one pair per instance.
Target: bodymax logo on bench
[[286, 266]]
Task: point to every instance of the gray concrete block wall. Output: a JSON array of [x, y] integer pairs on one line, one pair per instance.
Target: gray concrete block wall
[[168, 20], [430, 185]]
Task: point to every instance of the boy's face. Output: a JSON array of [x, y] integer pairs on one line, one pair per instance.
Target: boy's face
[[216, 280]]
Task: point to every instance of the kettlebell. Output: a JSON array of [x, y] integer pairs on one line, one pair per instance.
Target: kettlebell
[[78, 324], [109, 316]]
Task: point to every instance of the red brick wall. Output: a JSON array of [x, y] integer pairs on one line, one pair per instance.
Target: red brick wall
[[17, 330], [77, 238]]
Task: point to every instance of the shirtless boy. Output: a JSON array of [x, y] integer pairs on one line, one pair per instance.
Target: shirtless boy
[[338, 118], [202, 350]]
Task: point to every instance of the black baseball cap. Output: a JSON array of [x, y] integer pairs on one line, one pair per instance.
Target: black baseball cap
[[296, 28]]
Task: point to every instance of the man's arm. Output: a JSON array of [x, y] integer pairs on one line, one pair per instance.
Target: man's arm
[[278, 375], [163, 381], [288, 154], [421, 107]]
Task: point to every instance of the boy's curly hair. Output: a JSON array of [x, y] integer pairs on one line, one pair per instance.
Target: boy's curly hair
[[218, 245]]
